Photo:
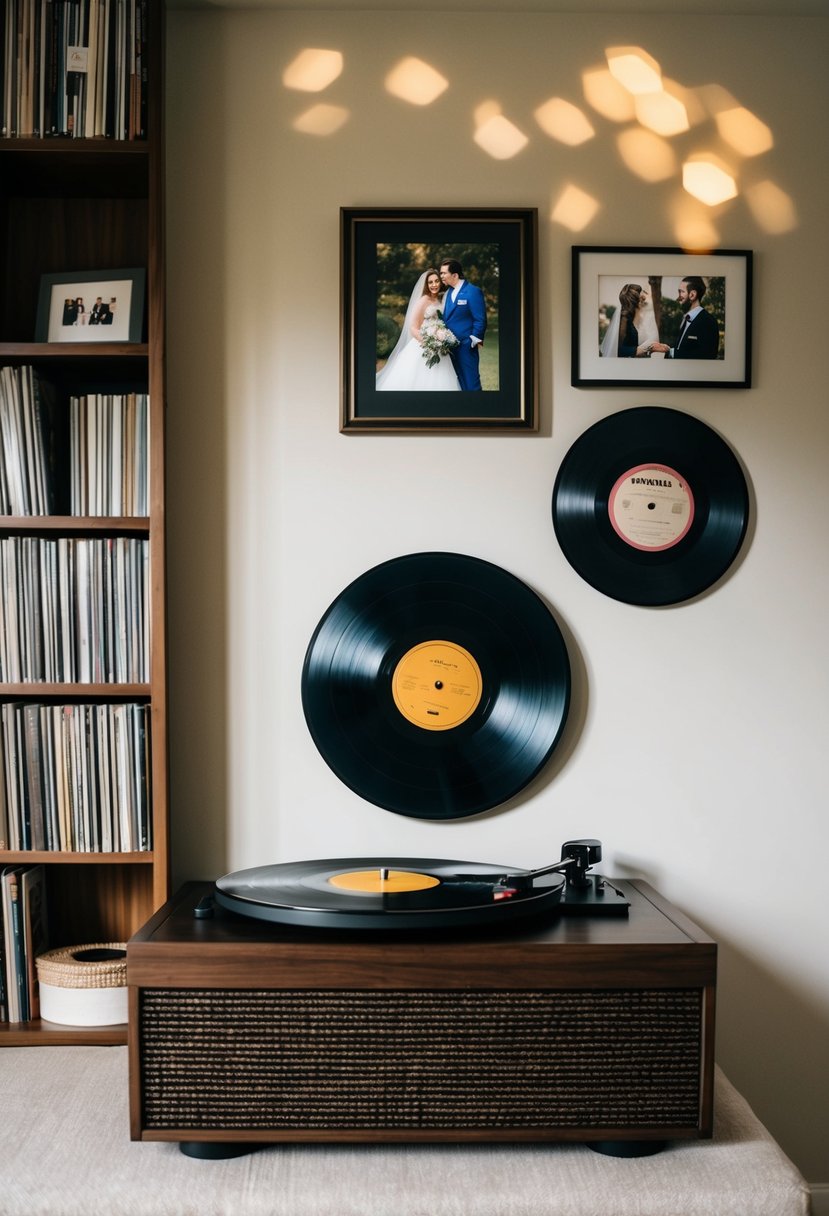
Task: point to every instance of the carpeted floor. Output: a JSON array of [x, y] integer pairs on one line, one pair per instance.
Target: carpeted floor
[[65, 1151]]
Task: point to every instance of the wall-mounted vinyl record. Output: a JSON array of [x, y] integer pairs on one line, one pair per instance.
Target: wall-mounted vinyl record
[[650, 506], [436, 685]]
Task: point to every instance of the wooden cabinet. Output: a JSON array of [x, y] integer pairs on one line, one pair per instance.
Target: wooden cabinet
[[560, 1028], [78, 205]]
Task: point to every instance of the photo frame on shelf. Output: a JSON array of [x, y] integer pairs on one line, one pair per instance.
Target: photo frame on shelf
[[629, 306], [488, 380], [91, 306]]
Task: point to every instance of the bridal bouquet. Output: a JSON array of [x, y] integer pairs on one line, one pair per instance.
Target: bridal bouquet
[[436, 338]]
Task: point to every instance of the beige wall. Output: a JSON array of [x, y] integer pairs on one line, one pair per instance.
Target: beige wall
[[696, 749]]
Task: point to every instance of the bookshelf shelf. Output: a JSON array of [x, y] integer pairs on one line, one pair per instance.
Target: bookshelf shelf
[[48, 1034], [83, 205]]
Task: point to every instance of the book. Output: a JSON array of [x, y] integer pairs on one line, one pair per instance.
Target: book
[[35, 931]]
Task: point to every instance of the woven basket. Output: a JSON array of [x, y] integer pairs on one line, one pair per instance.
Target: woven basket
[[68, 968]]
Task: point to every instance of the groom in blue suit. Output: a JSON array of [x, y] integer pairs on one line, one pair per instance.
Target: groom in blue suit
[[464, 313]]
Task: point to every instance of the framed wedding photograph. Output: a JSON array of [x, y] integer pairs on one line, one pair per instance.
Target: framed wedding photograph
[[91, 306], [661, 318], [438, 320]]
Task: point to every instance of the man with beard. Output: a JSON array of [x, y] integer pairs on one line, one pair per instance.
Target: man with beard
[[699, 334]]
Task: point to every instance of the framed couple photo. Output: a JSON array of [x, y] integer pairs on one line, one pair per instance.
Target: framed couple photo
[[661, 318], [91, 306], [438, 319]]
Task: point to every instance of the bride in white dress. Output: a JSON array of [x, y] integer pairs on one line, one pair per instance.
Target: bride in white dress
[[406, 369], [632, 330]]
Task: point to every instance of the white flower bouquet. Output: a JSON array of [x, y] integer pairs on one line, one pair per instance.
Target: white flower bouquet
[[436, 338]]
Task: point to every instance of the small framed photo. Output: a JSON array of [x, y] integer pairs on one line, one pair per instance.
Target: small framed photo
[[438, 320], [661, 318], [91, 306]]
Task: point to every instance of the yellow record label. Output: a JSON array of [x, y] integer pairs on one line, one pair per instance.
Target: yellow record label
[[437, 685], [383, 882]]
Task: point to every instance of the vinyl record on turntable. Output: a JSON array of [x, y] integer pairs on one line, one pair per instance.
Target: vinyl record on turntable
[[397, 893], [650, 506], [436, 685]]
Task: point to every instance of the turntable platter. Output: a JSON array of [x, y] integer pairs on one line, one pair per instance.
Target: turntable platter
[[388, 893]]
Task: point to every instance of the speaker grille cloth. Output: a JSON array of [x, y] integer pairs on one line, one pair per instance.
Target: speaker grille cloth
[[320, 1060]]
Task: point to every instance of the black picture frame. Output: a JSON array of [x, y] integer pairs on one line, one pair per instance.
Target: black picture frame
[[121, 321], [600, 275], [383, 252]]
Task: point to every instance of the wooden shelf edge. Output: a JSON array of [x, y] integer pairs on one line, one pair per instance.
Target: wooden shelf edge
[[73, 350], [94, 692], [57, 857], [74, 523], [50, 1034]]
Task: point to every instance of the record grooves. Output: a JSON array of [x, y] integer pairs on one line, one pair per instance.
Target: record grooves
[[436, 685], [650, 506]]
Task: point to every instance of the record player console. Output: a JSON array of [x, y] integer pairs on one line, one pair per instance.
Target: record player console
[[561, 1027]]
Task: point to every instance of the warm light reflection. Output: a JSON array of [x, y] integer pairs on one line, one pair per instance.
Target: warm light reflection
[[715, 97], [574, 209], [606, 95], [662, 113], [635, 69], [693, 227], [321, 120], [563, 121], [313, 70], [647, 155], [414, 81], [772, 208], [500, 138], [689, 98], [744, 131], [707, 179]]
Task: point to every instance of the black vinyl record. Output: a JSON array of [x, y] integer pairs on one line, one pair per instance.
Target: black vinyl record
[[650, 506], [387, 893], [436, 685]]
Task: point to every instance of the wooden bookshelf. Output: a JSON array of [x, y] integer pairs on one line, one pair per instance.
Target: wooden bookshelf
[[74, 205]]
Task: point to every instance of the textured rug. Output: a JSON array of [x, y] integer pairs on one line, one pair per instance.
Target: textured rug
[[65, 1151]]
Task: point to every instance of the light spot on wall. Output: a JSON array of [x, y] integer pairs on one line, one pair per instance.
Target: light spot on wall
[[772, 208], [634, 68], [662, 113], [321, 120], [313, 70], [647, 155], [417, 82], [693, 227], [500, 138], [744, 131], [565, 122], [706, 178], [574, 209], [607, 97]]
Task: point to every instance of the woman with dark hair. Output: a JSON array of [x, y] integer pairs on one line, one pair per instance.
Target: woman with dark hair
[[632, 330], [407, 369]]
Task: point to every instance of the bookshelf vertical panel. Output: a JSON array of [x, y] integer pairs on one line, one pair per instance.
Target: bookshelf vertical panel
[[84, 205]]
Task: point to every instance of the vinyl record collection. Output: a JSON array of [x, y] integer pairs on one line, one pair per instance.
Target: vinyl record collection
[[76, 777], [74, 68], [109, 454], [74, 609], [26, 484]]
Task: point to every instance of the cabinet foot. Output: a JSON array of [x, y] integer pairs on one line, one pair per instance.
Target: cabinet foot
[[212, 1150], [627, 1148]]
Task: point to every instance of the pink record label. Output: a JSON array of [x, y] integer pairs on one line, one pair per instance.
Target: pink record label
[[651, 507]]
